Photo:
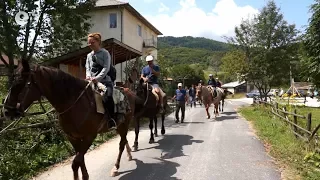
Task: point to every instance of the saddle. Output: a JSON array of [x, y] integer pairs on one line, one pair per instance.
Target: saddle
[[213, 91], [121, 103]]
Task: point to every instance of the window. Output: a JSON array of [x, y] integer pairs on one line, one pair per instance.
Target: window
[[153, 39], [113, 20], [139, 31]]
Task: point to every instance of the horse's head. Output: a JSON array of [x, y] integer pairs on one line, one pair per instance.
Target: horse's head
[[226, 92], [23, 91]]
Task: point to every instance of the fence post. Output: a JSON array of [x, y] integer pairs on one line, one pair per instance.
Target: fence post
[[295, 121], [309, 122]]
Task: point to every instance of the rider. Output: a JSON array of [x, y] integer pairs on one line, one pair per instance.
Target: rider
[[212, 82], [97, 66], [150, 74]]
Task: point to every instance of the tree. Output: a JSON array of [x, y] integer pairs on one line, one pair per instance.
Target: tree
[[266, 40], [53, 27], [234, 63], [311, 46]]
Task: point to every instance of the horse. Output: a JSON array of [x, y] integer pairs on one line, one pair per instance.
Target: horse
[[74, 101], [205, 93], [221, 103], [146, 106]]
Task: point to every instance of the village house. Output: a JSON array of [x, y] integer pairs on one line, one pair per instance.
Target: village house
[[126, 34]]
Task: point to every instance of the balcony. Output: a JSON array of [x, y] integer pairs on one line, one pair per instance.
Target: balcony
[[149, 43]]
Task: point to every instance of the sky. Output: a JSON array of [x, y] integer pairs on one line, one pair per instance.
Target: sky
[[213, 18]]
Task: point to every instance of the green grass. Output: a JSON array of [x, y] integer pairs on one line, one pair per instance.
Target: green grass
[[289, 151]]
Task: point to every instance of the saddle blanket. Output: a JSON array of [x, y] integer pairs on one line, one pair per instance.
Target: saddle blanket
[[121, 103]]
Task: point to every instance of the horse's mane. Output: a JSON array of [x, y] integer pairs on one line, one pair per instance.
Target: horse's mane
[[63, 84]]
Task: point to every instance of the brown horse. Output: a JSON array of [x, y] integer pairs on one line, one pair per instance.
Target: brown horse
[[146, 106], [205, 93], [74, 101]]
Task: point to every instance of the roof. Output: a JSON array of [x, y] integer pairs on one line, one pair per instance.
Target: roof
[[118, 51], [233, 84], [105, 4]]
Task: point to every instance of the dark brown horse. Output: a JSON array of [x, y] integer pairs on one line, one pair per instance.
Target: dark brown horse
[[205, 93], [74, 101], [146, 106]]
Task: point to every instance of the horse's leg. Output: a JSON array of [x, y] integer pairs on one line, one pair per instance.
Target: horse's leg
[[81, 147], [136, 130], [163, 131], [207, 110], [151, 127], [75, 163], [222, 104], [219, 106], [155, 119], [122, 130]]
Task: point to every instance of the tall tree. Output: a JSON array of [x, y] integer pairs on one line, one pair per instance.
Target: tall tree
[[52, 27], [234, 63], [311, 55], [266, 40]]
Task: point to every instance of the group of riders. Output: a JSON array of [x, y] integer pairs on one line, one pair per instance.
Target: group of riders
[[99, 65]]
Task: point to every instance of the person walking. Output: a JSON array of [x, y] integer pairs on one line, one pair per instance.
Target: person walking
[[192, 95], [180, 97]]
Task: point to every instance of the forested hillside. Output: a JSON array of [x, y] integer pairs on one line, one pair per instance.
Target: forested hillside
[[195, 52]]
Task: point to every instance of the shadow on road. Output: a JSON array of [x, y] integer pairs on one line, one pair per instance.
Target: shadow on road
[[229, 113], [148, 171], [223, 118], [172, 145]]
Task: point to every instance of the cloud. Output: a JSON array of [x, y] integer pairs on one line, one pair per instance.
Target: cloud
[[163, 8], [190, 20], [148, 1]]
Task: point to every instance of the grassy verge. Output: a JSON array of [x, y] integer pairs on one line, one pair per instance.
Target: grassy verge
[[237, 96], [297, 158]]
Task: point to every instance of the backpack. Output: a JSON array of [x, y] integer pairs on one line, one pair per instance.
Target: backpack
[[112, 73]]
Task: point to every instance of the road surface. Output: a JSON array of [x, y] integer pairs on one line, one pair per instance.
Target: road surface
[[199, 149]]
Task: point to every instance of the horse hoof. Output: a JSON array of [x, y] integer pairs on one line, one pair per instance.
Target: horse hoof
[[85, 178], [134, 148], [163, 131], [114, 172], [208, 117], [151, 141], [155, 134], [129, 158]]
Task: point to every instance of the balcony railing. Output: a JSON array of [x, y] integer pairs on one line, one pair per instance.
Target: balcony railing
[[149, 43]]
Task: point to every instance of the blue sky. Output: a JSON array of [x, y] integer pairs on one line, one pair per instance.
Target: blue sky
[[213, 18]]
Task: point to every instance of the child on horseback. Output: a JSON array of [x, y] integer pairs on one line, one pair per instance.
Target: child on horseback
[[150, 74], [98, 65]]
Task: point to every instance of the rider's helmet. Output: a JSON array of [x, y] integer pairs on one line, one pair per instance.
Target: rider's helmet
[[179, 84], [200, 81], [217, 78], [210, 75], [149, 58]]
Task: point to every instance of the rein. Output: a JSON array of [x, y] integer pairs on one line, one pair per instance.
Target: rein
[[84, 90], [145, 102]]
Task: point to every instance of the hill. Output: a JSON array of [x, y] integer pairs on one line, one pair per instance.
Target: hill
[[191, 50], [192, 42]]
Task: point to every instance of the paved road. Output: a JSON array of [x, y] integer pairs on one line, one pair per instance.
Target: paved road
[[199, 149]]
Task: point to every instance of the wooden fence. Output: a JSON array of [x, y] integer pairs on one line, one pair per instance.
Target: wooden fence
[[305, 133]]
